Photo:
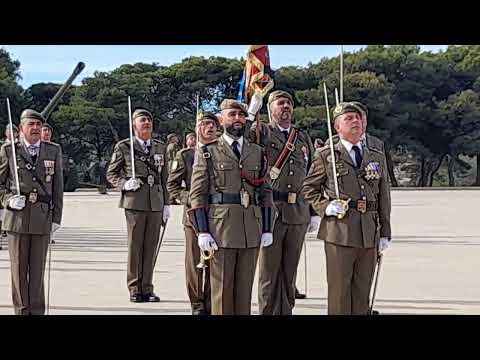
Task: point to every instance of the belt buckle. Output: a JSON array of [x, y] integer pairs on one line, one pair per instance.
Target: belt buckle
[[33, 197], [244, 198], [362, 206], [292, 198]]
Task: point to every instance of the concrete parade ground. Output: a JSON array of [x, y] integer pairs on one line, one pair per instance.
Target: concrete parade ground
[[431, 267]]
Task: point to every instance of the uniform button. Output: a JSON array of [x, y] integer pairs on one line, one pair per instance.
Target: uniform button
[[291, 161], [34, 179], [33, 168], [290, 173], [243, 180], [289, 186], [364, 198], [34, 190], [240, 166], [362, 187], [221, 166]]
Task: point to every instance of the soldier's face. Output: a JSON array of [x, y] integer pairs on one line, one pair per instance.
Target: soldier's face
[[350, 127], [46, 134], [9, 136], [207, 130], [143, 127], [233, 121], [31, 129], [282, 111], [191, 141]]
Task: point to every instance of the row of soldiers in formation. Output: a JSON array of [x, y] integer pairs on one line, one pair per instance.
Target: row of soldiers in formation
[[250, 195]]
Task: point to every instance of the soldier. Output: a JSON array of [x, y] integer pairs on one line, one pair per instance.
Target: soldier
[[318, 144], [231, 202], [31, 216], [289, 152], [172, 148], [352, 233], [145, 200], [7, 140], [47, 132], [369, 140], [198, 292], [8, 134]]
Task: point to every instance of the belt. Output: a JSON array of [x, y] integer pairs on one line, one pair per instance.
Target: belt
[[288, 197], [145, 180], [229, 198], [363, 205], [34, 197]]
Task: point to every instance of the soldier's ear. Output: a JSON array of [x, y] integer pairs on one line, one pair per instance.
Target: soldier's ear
[[220, 119]]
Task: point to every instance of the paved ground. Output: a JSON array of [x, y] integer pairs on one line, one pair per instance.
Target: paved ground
[[431, 268]]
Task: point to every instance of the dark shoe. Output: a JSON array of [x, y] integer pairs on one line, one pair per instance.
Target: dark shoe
[[151, 298], [298, 295], [200, 312], [136, 298]]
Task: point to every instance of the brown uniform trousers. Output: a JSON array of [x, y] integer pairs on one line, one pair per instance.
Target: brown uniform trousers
[[278, 263], [28, 230], [198, 291], [350, 243], [143, 208], [237, 230]]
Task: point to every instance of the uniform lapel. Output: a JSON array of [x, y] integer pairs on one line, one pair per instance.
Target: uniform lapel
[[344, 154], [227, 150]]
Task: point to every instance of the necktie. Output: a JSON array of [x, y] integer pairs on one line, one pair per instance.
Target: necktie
[[358, 156], [235, 148], [33, 152], [285, 134], [146, 148]]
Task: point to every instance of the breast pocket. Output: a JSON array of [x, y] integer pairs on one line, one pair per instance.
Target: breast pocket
[[223, 171]]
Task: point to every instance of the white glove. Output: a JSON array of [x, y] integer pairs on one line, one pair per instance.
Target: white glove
[[55, 227], [132, 184], [267, 240], [166, 213], [255, 105], [206, 242], [383, 244], [314, 224], [335, 208], [17, 202]]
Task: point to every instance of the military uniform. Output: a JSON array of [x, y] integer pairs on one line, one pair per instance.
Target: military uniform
[[231, 199], [172, 150], [29, 229], [198, 292], [143, 207], [351, 242], [278, 263]]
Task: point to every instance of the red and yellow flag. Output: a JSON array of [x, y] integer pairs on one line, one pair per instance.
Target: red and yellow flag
[[258, 75]]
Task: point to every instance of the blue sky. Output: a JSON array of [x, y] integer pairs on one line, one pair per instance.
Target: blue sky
[[54, 63]]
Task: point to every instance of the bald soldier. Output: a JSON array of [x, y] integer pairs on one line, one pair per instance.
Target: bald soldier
[[179, 184], [145, 200], [356, 229], [290, 152], [231, 209], [31, 216]]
